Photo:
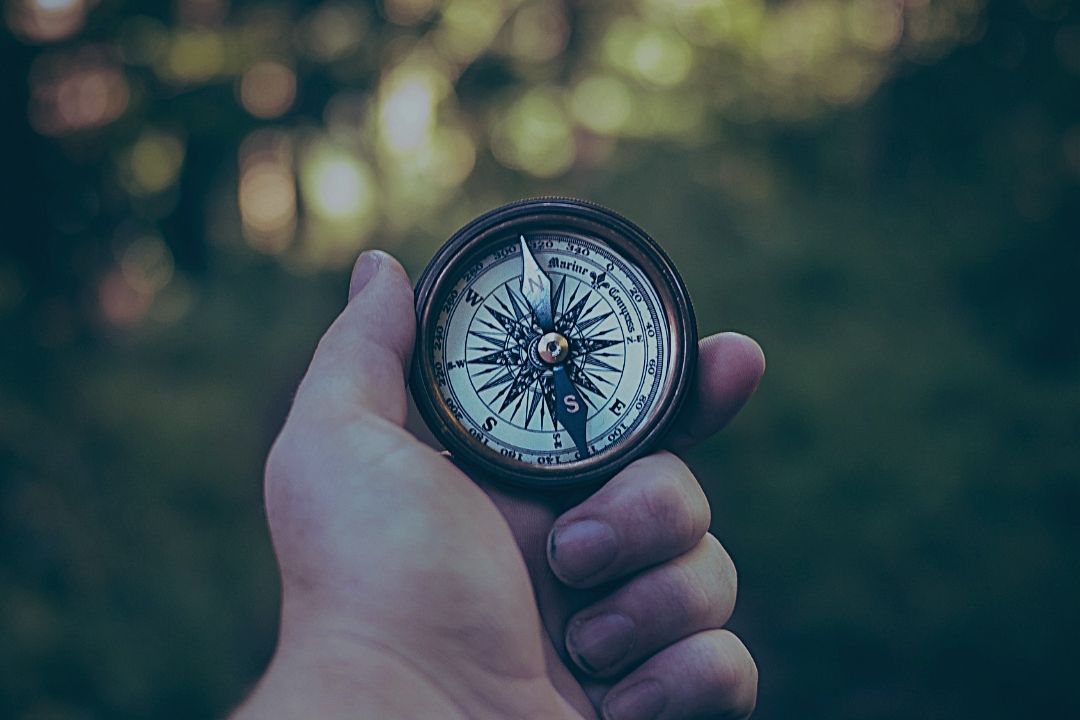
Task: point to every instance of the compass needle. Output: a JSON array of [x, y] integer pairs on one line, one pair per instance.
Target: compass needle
[[536, 287], [570, 410]]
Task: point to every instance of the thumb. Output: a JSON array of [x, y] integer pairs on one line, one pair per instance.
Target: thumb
[[362, 361]]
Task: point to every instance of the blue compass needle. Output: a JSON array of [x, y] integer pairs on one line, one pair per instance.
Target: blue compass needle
[[570, 408]]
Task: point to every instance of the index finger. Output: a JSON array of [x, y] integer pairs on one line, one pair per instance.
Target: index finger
[[729, 369]]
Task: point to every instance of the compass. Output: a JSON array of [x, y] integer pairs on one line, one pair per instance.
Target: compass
[[555, 343]]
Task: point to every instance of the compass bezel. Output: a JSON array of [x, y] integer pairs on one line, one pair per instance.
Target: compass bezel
[[569, 216]]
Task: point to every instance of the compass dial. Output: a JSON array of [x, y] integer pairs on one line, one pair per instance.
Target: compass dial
[[551, 347], [611, 319]]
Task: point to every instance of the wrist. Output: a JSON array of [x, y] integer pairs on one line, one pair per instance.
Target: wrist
[[345, 674], [333, 679]]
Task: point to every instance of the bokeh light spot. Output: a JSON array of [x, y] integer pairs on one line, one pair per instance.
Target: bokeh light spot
[[268, 89], [201, 12], [195, 56], [76, 91], [122, 304], [713, 22], [340, 195], [876, 24], [46, 20], [267, 205], [449, 159], [267, 191], [407, 103], [407, 12], [336, 184], [468, 28], [539, 31], [147, 264], [153, 163], [535, 134], [847, 81], [662, 57], [655, 54], [334, 30], [602, 103]]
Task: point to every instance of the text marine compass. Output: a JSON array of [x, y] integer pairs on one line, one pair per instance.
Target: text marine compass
[[555, 343]]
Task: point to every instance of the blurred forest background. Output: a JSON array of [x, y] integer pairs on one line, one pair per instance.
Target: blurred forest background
[[885, 193]]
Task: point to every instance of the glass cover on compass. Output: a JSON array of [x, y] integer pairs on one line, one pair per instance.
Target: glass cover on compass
[[555, 343]]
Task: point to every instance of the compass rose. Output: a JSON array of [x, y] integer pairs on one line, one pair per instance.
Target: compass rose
[[504, 366]]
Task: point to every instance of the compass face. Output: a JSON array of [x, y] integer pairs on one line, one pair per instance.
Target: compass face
[[608, 312], [555, 341]]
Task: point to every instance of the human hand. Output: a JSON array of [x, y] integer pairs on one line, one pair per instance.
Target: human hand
[[412, 590]]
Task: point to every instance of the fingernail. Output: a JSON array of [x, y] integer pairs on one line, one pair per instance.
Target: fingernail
[[582, 549], [643, 700], [598, 643], [363, 271]]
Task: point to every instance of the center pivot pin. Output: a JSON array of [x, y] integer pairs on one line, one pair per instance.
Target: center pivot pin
[[553, 348]]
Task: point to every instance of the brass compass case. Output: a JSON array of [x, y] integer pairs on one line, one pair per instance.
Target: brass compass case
[[564, 233]]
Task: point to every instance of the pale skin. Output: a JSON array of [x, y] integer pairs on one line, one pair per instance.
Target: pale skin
[[411, 589]]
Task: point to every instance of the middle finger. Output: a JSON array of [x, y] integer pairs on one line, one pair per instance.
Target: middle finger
[[661, 606], [651, 511]]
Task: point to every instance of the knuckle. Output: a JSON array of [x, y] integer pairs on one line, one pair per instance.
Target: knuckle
[[721, 565], [730, 672], [676, 502], [698, 588], [715, 574], [693, 599]]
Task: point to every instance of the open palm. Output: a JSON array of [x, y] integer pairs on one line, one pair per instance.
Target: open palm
[[412, 590]]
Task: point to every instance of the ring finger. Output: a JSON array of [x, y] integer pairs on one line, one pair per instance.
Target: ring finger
[[655, 609]]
